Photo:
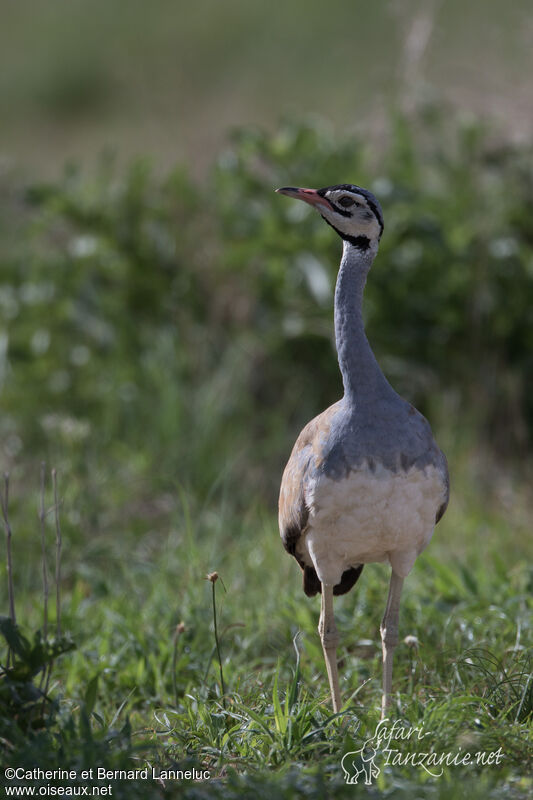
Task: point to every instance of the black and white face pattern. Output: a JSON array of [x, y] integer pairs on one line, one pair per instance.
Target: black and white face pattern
[[353, 212]]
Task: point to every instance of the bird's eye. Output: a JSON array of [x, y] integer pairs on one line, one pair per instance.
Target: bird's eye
[[346, 201]]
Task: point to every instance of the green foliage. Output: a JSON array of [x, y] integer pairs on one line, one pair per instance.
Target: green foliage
[[23, 703]]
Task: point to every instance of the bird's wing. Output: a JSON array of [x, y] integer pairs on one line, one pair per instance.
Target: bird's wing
[[438, 459], [306, 456], [446, 481], [293, 512]]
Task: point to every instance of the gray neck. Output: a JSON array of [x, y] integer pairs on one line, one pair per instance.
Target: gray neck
[[363, 380]]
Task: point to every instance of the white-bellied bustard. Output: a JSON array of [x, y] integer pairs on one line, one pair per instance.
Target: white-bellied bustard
[[365, 480]]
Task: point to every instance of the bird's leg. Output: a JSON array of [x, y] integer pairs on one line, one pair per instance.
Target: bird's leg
[[330, 638], [389, 637]]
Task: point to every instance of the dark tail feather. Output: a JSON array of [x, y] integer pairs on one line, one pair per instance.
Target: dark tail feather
[[313, 586], [349, 578]]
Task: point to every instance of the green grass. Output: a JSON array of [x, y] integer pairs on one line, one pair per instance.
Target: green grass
[[468, 682]]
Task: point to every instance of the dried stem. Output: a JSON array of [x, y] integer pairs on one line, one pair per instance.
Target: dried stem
[[177, 633], [4, 499], [213, 577], [416, 40], [42, 518], [58, 554], [5, 513], [48, 671]]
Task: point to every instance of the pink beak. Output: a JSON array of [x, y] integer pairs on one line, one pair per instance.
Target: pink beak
[[310, 196]]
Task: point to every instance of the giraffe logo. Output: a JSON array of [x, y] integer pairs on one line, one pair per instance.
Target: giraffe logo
[[361, 762]]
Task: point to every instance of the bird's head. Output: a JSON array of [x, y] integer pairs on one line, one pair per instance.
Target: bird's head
[[352, 211]]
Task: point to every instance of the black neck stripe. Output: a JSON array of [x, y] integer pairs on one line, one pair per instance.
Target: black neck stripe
[[361, 242]]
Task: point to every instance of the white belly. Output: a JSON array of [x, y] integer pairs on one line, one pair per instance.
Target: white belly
[[370, 516]]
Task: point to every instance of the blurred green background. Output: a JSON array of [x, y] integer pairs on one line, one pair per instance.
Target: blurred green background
[[168, 80], [166, 321]]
